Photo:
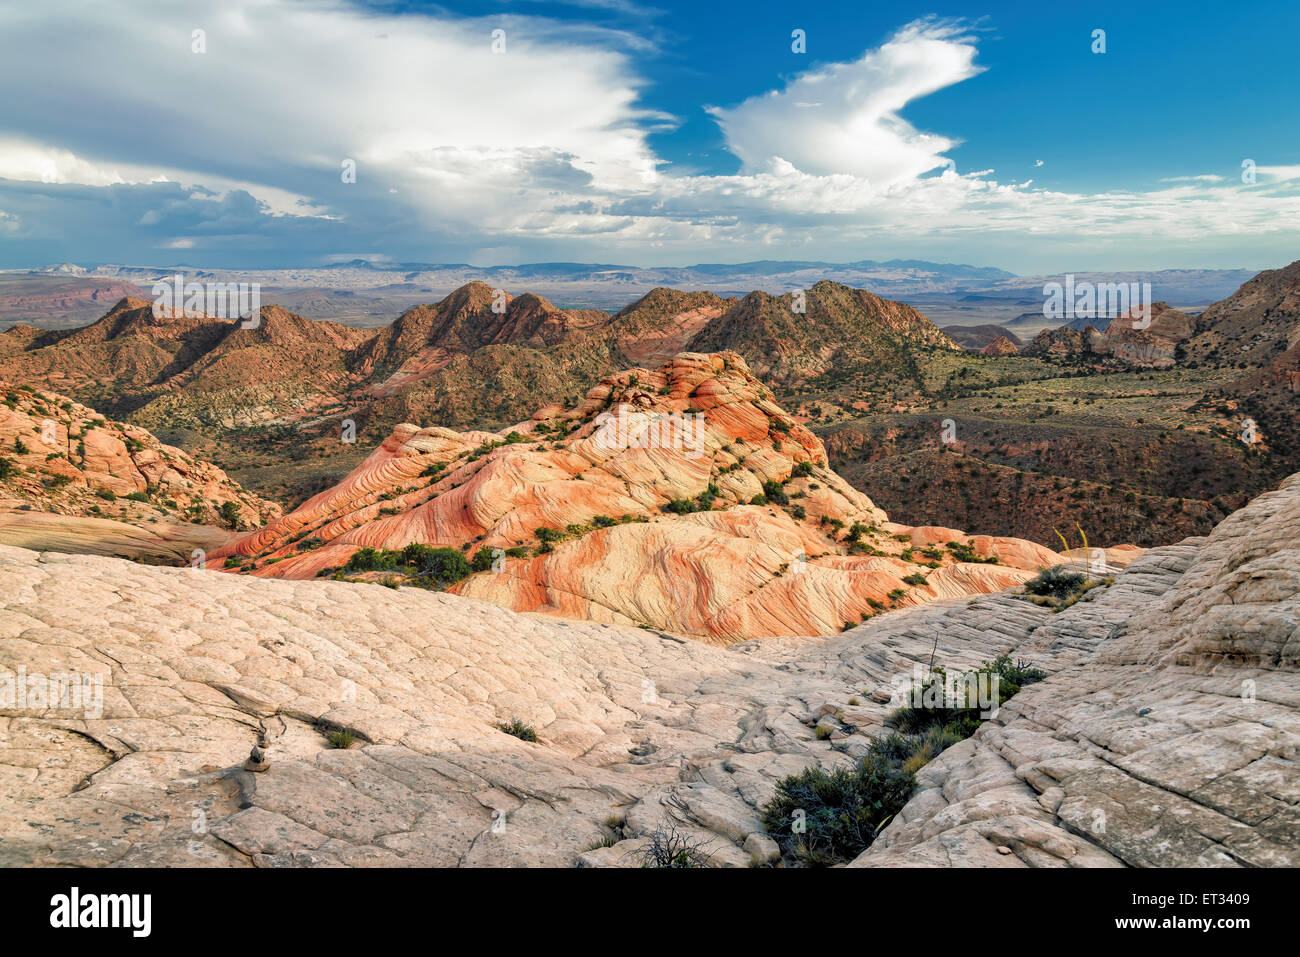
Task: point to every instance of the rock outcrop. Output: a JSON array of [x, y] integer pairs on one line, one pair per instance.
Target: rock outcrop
[[681, 498], [1001, 346], [1141, 338], [65, 459], [1166, 732], [1168, 735]]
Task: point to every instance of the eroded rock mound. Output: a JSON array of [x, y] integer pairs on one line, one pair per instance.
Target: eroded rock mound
[[60, 457], [681, 498]]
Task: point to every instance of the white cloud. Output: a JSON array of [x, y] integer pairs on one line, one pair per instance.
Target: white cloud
[[1202, 178], [286, 91], [844, 117]]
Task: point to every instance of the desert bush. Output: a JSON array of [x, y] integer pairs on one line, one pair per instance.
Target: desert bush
[[670, 848], [964, 552], [1058, 582], [774, 493], [435, 566], [964, 716], [843, 809], [524, 732]]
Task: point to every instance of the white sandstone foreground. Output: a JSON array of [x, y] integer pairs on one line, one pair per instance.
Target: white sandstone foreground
[[1167, 733]]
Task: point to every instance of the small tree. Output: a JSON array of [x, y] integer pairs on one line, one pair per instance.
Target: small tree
[[231, 513]]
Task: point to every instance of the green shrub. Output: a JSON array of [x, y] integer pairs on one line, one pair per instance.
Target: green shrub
[[439, 567], [341, 739], [798, 511], [758, 500], [964, 715], [964, 552], [801, 469], [1058, 582], [842, 809], [230, 513], [140, 497], [603, 521], [106, 495], [916, 578], [774, 493], [524, 732]]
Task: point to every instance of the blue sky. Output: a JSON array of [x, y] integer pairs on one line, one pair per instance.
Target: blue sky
[[653, 134]]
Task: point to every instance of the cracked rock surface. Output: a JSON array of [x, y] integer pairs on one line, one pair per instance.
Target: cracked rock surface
[[1166, 733]]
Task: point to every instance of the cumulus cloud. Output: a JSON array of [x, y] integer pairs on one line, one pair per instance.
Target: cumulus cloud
[[844, 118]]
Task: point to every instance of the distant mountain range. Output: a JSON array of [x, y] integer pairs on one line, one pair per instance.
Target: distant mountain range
[[467, 359], [367, 293]]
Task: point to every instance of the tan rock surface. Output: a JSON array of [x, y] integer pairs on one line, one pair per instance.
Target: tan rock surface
[[1143, 719]]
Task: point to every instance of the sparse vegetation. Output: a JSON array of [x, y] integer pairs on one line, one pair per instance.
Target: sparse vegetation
[[517, 728], [426, 566], [668, 847]]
